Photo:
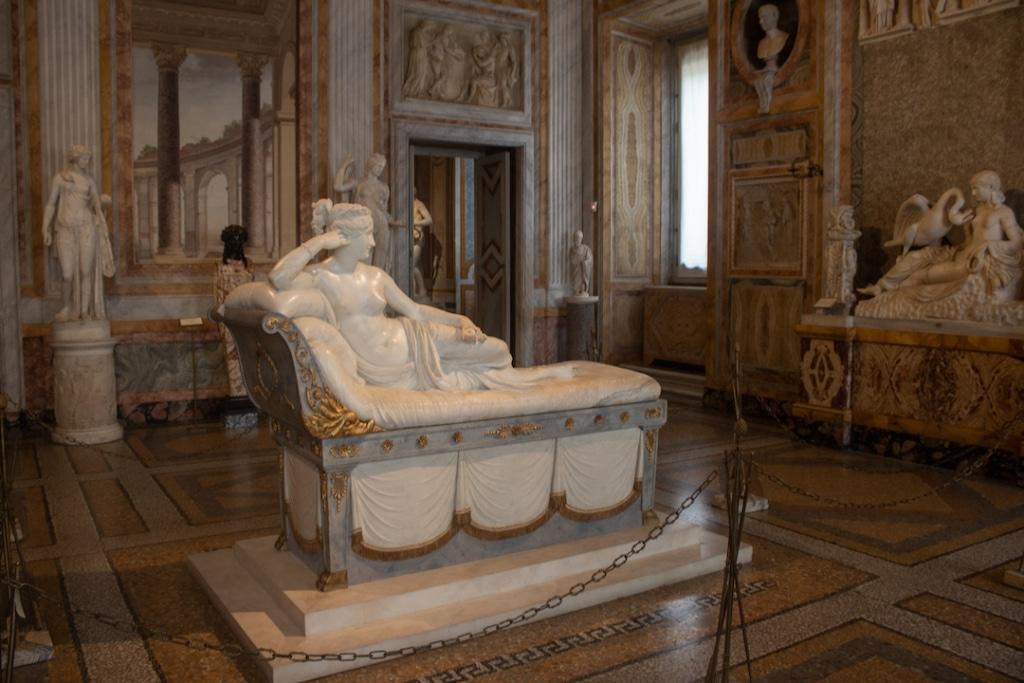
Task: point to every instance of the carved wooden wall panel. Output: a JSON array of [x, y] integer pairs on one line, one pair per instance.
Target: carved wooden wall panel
[[675, 324], [630, 244], [763, 317], [627, 310]]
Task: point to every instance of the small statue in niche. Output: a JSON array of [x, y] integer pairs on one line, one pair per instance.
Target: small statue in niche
[[581, 266], [977, 280], [232, 271], [882, 12], [768, 49], [73, 222]]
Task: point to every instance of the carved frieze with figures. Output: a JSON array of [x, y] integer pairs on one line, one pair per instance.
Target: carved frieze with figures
[[883, 19], [766, 230], [446, 59]]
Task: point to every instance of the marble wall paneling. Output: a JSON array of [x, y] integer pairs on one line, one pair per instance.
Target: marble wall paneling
[[441, 60], [162, 370], [676, 324], [946, 124], [566, 142], [959, 389], [633, 150], [350, 82], [69, 87], [763, 317]]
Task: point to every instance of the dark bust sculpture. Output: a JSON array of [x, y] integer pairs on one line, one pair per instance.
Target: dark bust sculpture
[[234, 238]]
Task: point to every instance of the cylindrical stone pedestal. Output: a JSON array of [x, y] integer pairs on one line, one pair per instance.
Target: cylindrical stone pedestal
[[581, 333], [84, 388]]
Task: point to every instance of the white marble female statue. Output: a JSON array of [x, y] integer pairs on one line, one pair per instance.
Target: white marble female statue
[[74, 224], [374, 194], [992, 253], [423, 347], [581, 265]]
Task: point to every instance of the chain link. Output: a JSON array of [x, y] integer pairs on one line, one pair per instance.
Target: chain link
[[234, 650]]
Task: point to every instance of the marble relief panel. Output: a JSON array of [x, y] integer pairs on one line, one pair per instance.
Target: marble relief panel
[[766, 227], [632, 156], [474, 65], [763, 318], [676, 324]]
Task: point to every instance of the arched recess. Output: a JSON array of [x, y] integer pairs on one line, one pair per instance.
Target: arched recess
[[213, 209]]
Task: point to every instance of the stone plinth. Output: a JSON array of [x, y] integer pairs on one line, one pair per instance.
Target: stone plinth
[[270, 600], [581, 335], [84, 387]]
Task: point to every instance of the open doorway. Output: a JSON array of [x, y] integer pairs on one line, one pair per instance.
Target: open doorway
[[461, 254]]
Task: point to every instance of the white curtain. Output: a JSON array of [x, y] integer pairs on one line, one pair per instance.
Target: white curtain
[[597, 471], [693, 154], [506, 486], [404, 503]]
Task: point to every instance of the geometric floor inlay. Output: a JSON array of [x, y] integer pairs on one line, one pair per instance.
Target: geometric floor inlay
[[839, 594]]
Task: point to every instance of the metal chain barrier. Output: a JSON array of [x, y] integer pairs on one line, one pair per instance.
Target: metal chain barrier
[[234, 650]]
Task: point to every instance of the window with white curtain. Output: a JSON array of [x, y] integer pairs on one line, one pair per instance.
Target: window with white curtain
[[692, 160]]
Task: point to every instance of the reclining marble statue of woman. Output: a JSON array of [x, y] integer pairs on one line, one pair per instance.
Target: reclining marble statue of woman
[[423, 347]]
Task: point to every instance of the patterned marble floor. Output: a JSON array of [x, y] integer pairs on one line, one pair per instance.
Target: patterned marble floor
[[841, 594]]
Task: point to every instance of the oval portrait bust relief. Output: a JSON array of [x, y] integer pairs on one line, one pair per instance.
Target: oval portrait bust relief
[[767, 38]]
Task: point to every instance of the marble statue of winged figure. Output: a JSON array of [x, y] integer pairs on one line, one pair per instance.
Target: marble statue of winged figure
[[919, 223]]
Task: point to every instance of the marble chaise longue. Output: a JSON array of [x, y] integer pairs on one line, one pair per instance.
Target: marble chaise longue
[[377, 482]]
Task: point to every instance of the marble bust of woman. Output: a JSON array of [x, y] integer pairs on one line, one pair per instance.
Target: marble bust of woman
[[422, 347]]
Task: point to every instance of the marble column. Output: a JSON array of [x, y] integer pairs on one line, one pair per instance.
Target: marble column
[[251, 66], [168, 143]]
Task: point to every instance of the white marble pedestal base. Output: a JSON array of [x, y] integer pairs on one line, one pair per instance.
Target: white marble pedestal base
[[84, 387], [269, 598]]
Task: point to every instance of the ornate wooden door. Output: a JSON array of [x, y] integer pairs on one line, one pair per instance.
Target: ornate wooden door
[[493, 219]]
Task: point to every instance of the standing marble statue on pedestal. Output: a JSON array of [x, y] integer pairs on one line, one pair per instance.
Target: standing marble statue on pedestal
[[85, 390], [582, 306], [421, 222]]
